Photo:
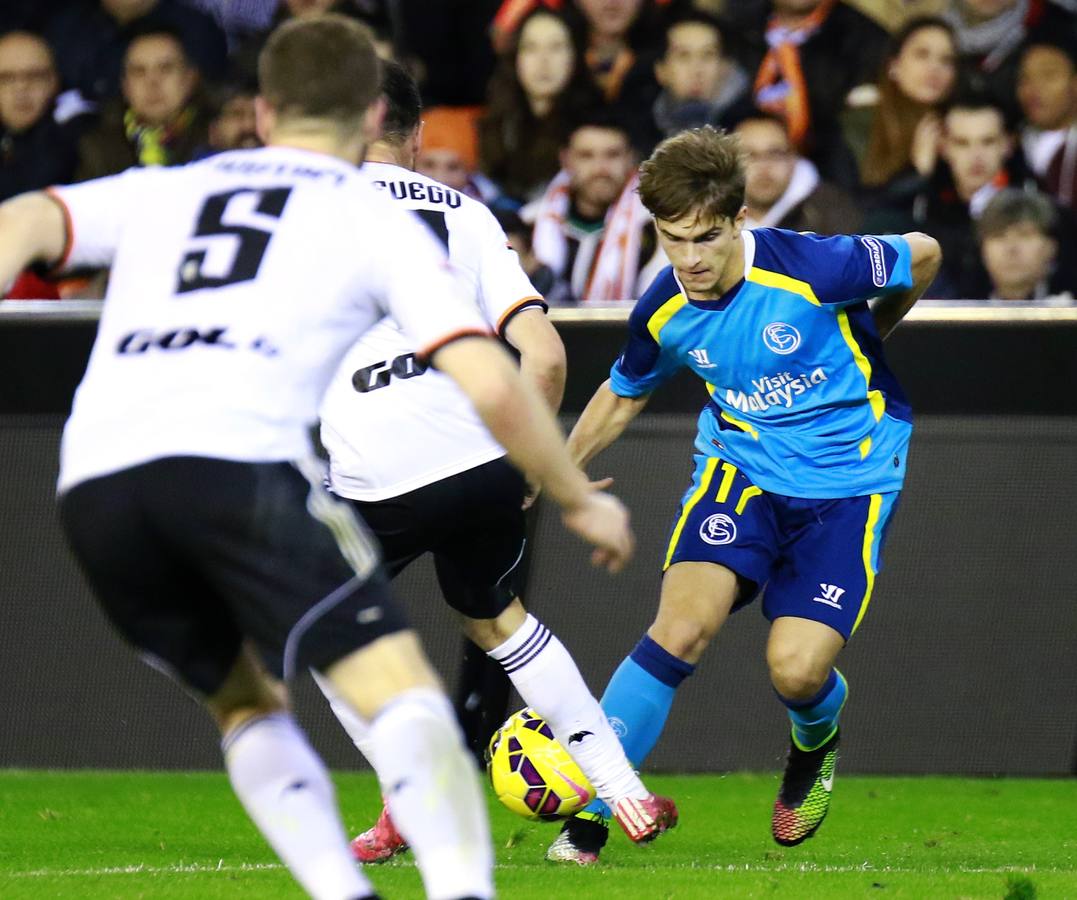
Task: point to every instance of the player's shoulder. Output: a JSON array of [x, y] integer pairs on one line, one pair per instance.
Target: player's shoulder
[[663, 289], [794, 253]]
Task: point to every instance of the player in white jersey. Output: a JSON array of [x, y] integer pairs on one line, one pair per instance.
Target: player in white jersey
[[236, 286], [406, 445]]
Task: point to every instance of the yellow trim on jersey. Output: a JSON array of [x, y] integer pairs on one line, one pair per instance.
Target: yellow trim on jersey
[[784, 282], [745, 496], [874, 505], [664, 313], [865, 447], [875, 398], [729, 472], [743, 426], [704, 486]]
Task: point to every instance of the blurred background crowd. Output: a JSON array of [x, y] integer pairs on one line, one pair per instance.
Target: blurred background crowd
[[953, 117]]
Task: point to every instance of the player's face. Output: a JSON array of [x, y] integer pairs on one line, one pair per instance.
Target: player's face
[[599, 162], [925, 66], [769, 161], [702, 252], [1021, 255], [545, 59], [975, 145], [157, 80], [235, 127], [611, 18], [691, 68], [1047, 88], [28, 81]]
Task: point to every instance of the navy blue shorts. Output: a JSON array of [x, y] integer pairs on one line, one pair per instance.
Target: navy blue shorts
[[816, 559]]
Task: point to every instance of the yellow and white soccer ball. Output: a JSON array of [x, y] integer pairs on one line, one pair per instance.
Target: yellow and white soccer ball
[[531, 773]]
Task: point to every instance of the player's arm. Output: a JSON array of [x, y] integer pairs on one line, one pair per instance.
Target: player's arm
[[32, 230], [542, 354], [925, 259], [520, 420], [603, 420]]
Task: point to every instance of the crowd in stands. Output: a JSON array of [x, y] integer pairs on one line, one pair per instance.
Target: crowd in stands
[[953, 117]]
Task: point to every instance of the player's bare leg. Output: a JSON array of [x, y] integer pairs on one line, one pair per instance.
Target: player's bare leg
[[801, 655], [695, 602], [282, 783], [427, 777]]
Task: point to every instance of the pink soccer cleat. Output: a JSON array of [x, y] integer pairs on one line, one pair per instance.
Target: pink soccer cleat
[[379, 843], [643, 820]]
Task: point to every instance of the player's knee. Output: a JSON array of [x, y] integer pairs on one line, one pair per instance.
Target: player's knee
[[686, 638], [492, 633], [795, 675]]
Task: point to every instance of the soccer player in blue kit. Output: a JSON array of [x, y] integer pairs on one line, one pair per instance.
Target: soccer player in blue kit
[[799, 458]]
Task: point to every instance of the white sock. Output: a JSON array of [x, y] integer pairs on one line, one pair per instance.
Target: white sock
[[286, 791], [432, 789], [547, 679], [356, 727]]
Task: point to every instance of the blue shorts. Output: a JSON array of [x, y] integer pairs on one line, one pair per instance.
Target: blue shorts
[[817, 559]]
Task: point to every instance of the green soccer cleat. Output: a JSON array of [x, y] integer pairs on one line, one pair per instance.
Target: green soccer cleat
[[581, 840], [804, 798]]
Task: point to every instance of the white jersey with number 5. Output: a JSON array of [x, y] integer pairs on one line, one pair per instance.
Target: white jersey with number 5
[[236, 286], [390, 424]]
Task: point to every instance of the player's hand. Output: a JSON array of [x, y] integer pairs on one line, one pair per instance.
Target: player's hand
[[601, 519], [534, 488]]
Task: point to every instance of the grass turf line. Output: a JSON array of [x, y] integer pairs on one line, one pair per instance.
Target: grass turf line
[[130, 835]]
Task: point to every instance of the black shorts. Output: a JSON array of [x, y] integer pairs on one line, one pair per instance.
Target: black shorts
[[188, 556], [473, 524]]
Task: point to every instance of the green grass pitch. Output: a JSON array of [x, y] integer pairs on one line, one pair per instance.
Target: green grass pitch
[[131, 835]]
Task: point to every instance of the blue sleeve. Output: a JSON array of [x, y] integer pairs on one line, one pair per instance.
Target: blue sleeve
[[642, 366], [843, 269]]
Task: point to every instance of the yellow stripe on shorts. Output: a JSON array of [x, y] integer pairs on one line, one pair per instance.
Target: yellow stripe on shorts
[[697, 495], [874, 506]]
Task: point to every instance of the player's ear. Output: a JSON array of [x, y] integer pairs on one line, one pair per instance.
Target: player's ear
[[739, 219], [372, 119], [265, 118]]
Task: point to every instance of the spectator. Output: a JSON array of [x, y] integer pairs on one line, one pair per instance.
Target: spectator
[[36, 149], [160, 122], [450, 151], [990, 34], [815, 53], [917, 77], [541, 83], [589, 226], [1019, 250], [554, 292], [1047, 92], [782, 189], [233, 125], [620, 33], [698, 84], [90, 38]]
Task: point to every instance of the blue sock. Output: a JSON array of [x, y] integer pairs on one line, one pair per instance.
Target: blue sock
[[815, 720], [638, 699]]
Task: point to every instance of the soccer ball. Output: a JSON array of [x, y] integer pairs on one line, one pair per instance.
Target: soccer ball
[[531, 773]]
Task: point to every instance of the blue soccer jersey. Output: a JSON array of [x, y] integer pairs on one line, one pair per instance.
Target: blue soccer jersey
[[801, 398]]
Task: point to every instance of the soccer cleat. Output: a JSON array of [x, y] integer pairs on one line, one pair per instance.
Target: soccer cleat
[[804, 798], [581, 840], [379, 843], [644, 819]]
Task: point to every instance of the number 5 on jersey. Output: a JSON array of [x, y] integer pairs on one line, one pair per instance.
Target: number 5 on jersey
[[208, 264]]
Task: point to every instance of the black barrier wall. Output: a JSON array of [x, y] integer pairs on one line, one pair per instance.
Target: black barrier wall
[[966, 661]]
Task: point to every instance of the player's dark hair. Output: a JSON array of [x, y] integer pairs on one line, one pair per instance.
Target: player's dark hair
[[403, 103], [699, 172], [320, 67], [1010, 207]]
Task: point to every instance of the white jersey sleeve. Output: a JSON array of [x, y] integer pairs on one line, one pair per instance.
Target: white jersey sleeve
[[504, 288], [95, 213], [431, 312]]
